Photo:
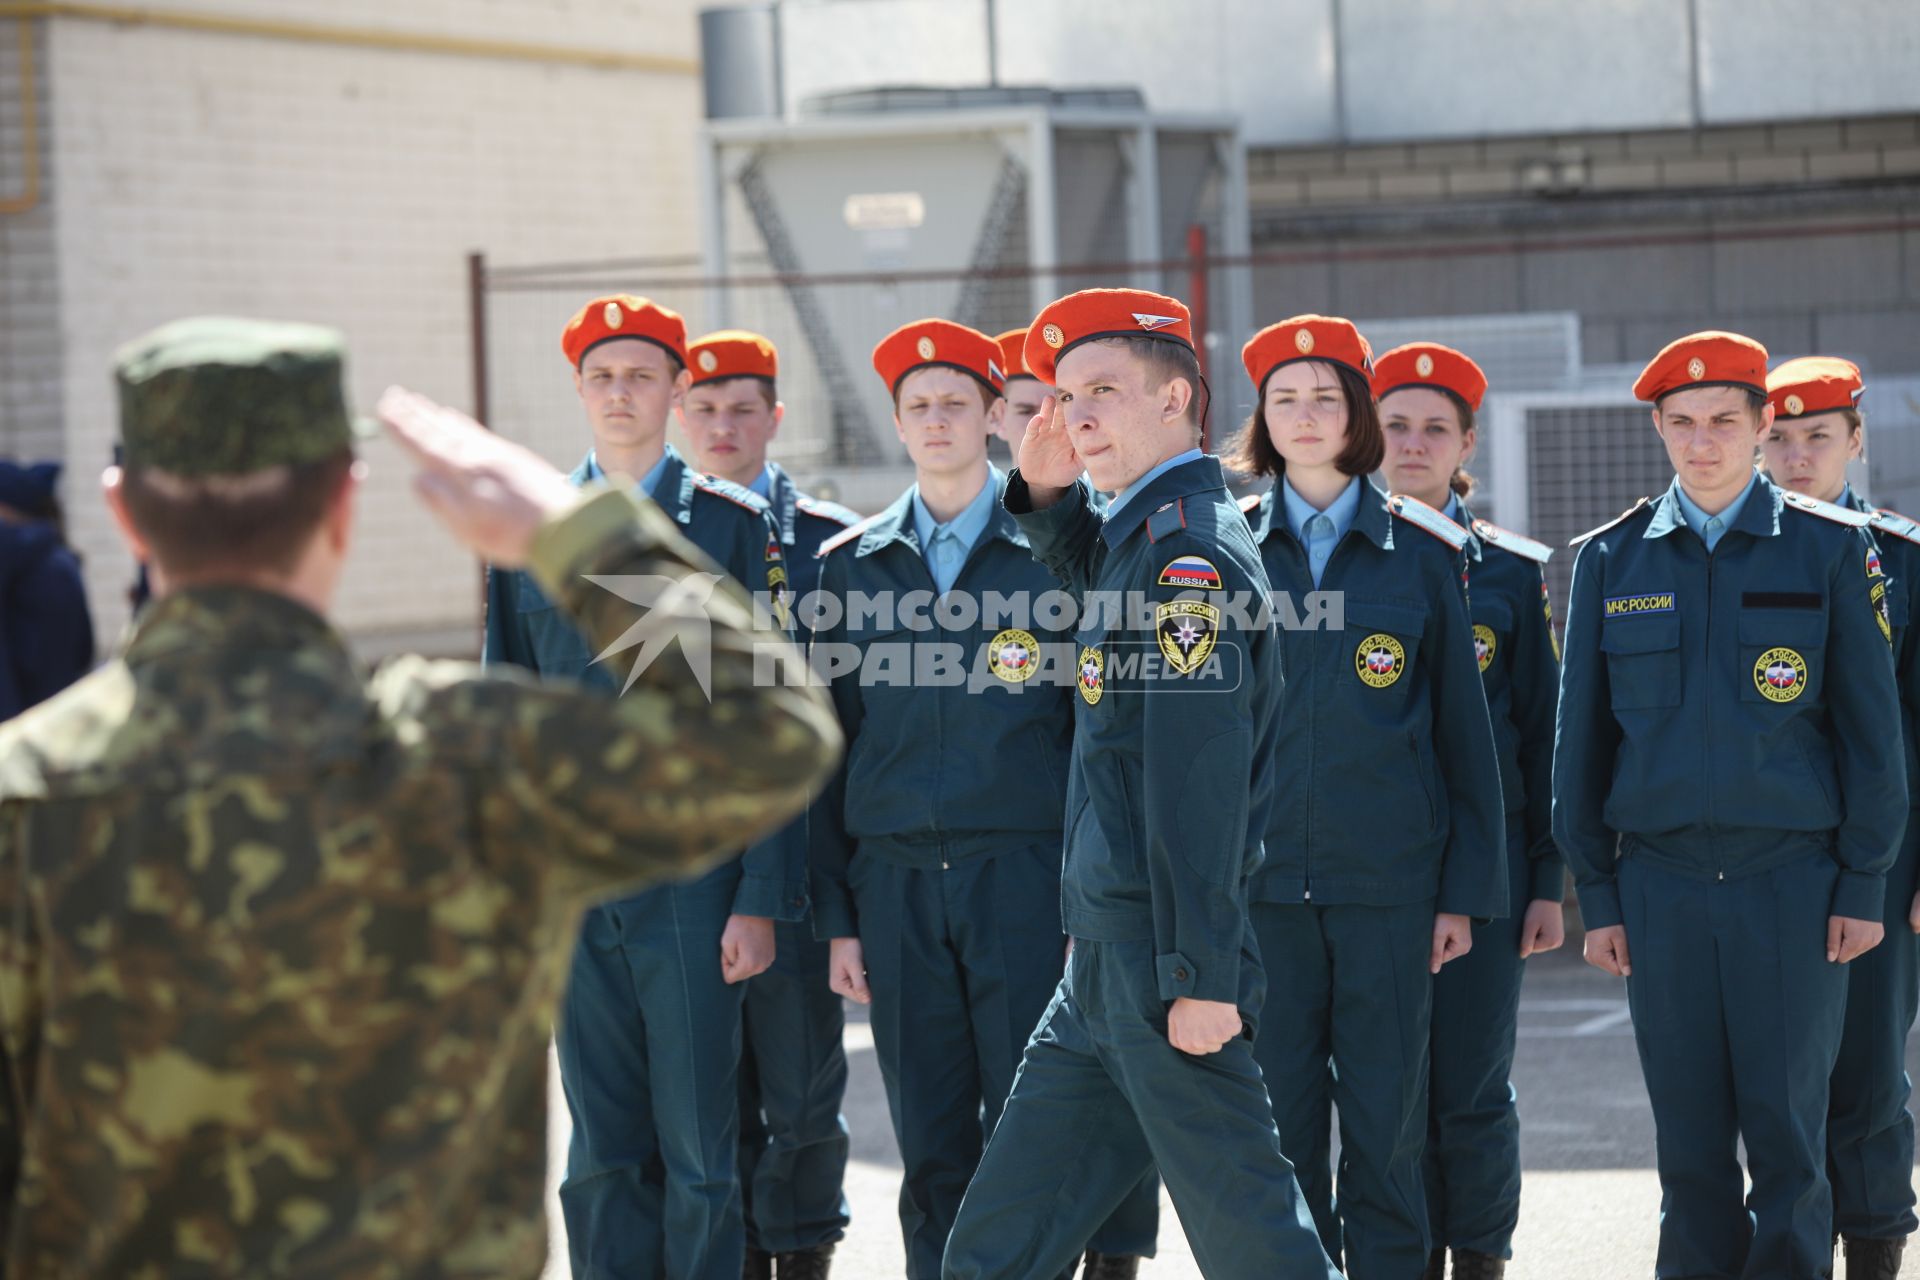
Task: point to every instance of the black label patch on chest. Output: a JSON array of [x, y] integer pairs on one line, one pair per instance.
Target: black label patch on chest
[[1781, 600]]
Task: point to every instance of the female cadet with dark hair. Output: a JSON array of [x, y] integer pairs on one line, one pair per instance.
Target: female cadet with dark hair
[[1428, 397], [1384, 839]]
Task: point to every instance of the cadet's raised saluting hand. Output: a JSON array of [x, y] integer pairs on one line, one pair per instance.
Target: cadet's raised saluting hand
[[1047, 461]]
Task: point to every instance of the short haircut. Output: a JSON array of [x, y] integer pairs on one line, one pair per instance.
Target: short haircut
[[1252, 452], [1166, 359], [1854, 421], [260, 522]]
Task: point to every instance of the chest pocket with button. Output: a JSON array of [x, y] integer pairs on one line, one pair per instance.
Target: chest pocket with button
[[1643, 660], [1783, 656]]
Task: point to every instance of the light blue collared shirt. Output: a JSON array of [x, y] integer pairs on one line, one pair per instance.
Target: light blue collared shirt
[[1453, 511], [946, 546], [763, 483], [1120, 498], [1710, 528], [648, 482], [1320, 531]]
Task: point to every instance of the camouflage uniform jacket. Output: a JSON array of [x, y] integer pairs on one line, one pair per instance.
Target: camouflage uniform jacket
[[280, 944]]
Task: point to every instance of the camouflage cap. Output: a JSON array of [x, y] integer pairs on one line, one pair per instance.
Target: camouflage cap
[[216, 395]]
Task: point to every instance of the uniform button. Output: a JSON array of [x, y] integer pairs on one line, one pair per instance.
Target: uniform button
[[1179, 975]]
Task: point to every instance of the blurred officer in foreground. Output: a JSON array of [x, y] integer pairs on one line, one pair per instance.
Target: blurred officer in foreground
[[649, 1035], [280, 943], [1729, 790], [1428, 397], [1145, 1056], [793, 1067], [46, 631], [1817, 430]]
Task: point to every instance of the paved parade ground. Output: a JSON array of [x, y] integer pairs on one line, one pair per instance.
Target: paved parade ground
[[1590, 1199]]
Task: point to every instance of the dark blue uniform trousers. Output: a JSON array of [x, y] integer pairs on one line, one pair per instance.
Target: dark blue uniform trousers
[[1472, 1161], [1101, 1099], [961, 962], [793, 1075], [1869, 1130], [1348, 1027], [649, 1043], [1737, 1016]]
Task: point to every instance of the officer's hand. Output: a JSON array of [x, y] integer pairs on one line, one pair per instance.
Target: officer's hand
[[1543, 929], [1607, 949], [1848, 938], [847, 970], [1452, 938], [746, 947], [1047, 461], [491, 494], [1202, 1026]]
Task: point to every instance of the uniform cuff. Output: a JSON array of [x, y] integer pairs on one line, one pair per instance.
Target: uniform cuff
[[833, 916], [769, 896], [1018, 500], [1860, 895], [1600, 905], [1178, 979], [1547, 879]]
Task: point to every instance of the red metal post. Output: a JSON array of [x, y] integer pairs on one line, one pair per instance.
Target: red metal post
[[1197, 305]]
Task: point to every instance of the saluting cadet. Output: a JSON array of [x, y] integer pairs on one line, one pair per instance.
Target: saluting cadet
[[1428, 397], [937, 850], [1024, 391], [281, 942], [1384, 840], [793, 1068], [1144, 1057], [1727, 792], [1817, 430], [649, 1036]]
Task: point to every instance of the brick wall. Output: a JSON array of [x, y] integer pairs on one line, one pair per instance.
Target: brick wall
[[30, 409], [253, 175]]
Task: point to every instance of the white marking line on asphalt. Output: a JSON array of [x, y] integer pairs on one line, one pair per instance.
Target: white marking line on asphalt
[[857, 1037], [1606, 1017], [1604, 1022]]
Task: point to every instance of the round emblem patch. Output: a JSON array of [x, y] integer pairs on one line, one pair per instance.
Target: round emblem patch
[[1484, 644], [925, 348], [1780, 675], [1379, 660], [1424, 365], [708, 362], [1696, 368], [1795, 406], [1092, 675], [611, 314], [1052, 336], [1014, 655], [1303, 340]]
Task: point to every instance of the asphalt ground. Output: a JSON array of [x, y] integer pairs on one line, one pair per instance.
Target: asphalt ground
[[1590, 1200]]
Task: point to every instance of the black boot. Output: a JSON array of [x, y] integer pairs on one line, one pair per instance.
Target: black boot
[[1436, 1266], [1109, 1266], [759, 1265], [804, 1264], [1873, 1259], [1468, 1265]]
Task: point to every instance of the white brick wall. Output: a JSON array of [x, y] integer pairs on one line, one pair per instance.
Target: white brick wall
[[29, 319], [252, 175]]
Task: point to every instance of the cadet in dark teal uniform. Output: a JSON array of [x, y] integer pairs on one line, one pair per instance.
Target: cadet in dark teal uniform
[[649, 1035], [1428, 397], [1727, 720], [937, 850], [793, 1067], [1144, 1057], [1360, 901], [1816, 431]]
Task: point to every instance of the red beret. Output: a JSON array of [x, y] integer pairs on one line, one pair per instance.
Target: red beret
[[1080, 317], [622, 315], [938, 342], [1331, 339], [732, 353], [1428, 364], [1013, 355], [1710, 359], [1814, 384]]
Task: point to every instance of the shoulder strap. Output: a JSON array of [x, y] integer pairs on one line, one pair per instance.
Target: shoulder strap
[[1594, 533], [1826, 510], [1507, 540], [1896, 524], [1428, 520], [845, 536], [739, 495], [826, 510]]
